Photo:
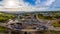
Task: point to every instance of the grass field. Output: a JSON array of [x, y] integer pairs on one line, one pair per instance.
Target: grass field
[[50, 32], [40, 16]]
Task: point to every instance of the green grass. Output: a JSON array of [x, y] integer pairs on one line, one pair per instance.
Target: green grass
[[40, 16], [54, 16], [56, 24], [51, 32], [2, 29], [5, 17]]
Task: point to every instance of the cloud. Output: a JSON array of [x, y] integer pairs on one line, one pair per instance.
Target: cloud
[[28, 7], [23, 6], [37, 7], [49, 2], [44, 3]]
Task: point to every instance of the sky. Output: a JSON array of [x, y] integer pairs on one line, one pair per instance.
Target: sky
[[31, 5]]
